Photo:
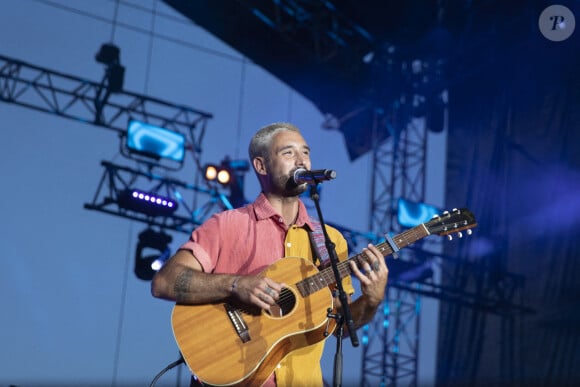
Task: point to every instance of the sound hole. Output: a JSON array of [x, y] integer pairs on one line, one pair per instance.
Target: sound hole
[[285, 304]]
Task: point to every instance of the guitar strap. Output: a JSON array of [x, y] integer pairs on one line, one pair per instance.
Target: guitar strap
[[317, 244]]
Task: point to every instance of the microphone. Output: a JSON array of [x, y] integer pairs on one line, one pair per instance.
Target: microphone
[[302, 175]]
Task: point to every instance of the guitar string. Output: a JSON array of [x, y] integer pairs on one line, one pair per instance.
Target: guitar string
[[408, 237], [288, 298], [312, 285]]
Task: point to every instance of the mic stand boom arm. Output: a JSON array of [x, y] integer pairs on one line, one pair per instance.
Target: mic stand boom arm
[[345, 307]]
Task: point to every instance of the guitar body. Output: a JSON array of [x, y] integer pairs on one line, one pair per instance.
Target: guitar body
[[218, 355]]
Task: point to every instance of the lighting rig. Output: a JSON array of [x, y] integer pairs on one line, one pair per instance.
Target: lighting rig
[[156, 143], [163, 203]]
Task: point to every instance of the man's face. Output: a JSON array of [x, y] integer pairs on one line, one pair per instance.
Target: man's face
[[288, 152]]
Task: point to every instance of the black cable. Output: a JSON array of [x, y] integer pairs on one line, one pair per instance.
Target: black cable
[[122, 307], [143, 31], [164, 370], [115, 20], [240, 107], [150, 48]]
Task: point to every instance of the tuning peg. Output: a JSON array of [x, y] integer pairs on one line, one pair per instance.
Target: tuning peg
[[469, 232], [455, 210], [460, 234], [449, 237]]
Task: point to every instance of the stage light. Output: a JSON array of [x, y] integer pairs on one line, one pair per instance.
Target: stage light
[[149, 203], [222, 173], [109, 55], [411, 214], [154, 142], [224, 177], [115, 78], [211, 172], [368, 57], [151, 253], [229, 173]]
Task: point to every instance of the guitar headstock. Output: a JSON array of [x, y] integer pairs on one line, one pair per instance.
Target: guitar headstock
[[452, 222]]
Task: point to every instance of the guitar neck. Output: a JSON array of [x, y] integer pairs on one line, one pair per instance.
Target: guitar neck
[[326, 276]]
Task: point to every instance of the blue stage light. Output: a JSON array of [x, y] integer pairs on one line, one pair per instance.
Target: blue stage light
[[155, 142], [148, 203], [411, 214]]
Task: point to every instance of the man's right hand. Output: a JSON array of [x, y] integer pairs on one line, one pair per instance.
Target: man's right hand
[[262, 292]]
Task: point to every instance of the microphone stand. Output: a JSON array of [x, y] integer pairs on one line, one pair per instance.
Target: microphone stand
[[346, 315]]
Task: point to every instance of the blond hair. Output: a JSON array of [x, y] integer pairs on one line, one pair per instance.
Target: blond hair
[[260, 143]]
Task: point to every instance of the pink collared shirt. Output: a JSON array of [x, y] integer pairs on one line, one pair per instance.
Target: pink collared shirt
[[244, 240]]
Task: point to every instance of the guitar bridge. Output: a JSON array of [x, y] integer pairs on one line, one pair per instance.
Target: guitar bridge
[[238, 322]]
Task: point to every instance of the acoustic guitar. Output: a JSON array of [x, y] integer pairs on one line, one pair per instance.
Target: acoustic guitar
[[227, 344]]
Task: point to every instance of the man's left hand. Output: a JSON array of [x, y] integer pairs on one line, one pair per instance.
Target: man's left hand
[[372, 274]]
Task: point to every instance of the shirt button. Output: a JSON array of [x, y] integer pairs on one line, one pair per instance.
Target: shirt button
[[288, 244], [280, 220]]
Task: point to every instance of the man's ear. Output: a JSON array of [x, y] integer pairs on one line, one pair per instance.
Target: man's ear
[[260, 165]]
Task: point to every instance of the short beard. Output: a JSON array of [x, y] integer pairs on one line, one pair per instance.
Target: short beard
[[286, 187], [293, 189]]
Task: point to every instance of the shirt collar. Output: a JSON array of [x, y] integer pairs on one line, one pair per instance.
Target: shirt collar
[[264, 210]]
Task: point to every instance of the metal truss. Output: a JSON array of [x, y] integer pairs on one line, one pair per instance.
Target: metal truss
[[391, 341], [390, 355], [82, 100], [315, 27], [398, 172], [116, 179]]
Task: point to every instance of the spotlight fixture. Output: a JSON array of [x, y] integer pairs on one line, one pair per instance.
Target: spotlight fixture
[[224, 177], [230, 173], [115, 77], [220, 173], [151, 253], [211, 172], [148, 203], [109, 55]]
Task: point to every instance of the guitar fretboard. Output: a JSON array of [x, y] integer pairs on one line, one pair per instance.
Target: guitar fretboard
[[326, 276]]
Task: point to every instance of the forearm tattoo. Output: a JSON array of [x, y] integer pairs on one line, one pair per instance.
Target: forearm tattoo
[[181, 287]]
